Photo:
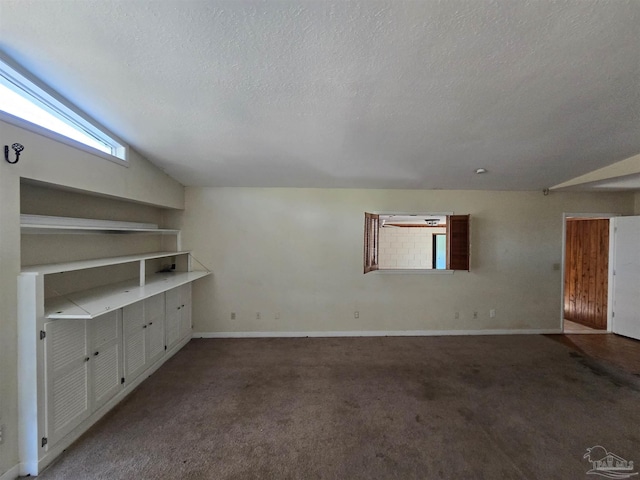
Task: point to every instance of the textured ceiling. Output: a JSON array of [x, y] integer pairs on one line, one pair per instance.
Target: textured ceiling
[[374, 94]]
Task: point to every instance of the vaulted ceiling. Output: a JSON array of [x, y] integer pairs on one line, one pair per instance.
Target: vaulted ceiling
[[372, 94]]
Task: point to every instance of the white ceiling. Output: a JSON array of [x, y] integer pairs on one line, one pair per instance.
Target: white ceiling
[[373, 94]]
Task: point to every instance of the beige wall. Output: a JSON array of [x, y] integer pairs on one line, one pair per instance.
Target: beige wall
[[44, 160], [636, 210], [297, 254]]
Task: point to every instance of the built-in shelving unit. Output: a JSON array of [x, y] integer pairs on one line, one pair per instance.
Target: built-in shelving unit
[[99, 301], [91, 303], [98, 262], [82, 351]]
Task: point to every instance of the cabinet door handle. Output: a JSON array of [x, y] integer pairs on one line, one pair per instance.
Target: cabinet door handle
[[144, 326], [86, 359], [182, 306], [150, 323], [96, 354], [179, 308]]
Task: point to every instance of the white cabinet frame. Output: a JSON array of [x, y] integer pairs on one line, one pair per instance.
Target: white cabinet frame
[[37, 449]]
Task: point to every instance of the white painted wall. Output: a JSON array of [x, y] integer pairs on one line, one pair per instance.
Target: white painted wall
[[45, 160], [297, 254], [407, 247]]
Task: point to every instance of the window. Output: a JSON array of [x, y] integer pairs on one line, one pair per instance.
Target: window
[[416, 242], [30, 104]]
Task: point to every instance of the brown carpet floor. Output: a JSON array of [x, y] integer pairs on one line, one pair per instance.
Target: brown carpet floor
[[490, 407]]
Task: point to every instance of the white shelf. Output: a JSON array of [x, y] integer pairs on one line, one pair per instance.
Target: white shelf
[[99, 262], [43, 224], [98, 301], [53, 229]]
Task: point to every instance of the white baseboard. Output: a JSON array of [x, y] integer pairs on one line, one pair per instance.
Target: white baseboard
[[11, 474], [377, 333]]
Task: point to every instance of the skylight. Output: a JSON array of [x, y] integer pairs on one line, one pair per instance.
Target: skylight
[[21, 97]]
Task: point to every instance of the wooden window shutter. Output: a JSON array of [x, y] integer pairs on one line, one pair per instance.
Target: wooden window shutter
[[458, 243], [371, 228]]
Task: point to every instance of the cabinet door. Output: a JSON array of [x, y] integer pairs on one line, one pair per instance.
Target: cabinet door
[[185, 310], [134, 327], [66, 376], [106, 362], [154, 319], [173, 300]]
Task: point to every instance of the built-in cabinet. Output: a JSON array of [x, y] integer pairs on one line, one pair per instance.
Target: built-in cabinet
[[67, 389], [83, 362], [82, 351], [178, 313], [144, 326]]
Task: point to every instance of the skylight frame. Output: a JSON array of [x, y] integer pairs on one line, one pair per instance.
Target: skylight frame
[[28, 86]]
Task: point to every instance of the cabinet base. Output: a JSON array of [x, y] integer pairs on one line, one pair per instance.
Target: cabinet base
[[32, 467]]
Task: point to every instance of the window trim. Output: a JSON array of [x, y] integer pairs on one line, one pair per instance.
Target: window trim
[[57, 105]]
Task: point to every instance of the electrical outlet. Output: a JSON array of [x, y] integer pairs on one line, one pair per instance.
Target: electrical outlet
[[1, 434], [492, 313], [456, 315], [257, 315], [233, 315], [475, 314], [356, 314]]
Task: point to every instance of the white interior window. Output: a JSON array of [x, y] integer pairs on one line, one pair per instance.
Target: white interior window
[[26, 99]]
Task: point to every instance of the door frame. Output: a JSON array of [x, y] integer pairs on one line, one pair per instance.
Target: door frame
[[608, 216]]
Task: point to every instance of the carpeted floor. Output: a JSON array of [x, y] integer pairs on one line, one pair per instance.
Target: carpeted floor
[[490, 407]]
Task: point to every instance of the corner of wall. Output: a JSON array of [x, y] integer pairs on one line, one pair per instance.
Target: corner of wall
[[9, 269], [636, 203]]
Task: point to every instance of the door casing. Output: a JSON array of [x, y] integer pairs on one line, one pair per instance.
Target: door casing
[[608, 216]]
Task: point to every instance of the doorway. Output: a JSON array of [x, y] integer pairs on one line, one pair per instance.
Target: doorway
[[586, 274], [439, 250]]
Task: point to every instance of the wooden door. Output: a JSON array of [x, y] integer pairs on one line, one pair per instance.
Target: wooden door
[[371, 238], [458, 242], [586, 280]]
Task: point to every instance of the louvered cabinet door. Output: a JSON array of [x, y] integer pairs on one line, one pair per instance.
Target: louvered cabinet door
[[66, 377], [134, 328], [185, 310], [154, 318], [173, 302], [106, 357]]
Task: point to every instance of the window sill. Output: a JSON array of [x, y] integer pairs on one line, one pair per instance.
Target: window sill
[[413, 271]]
